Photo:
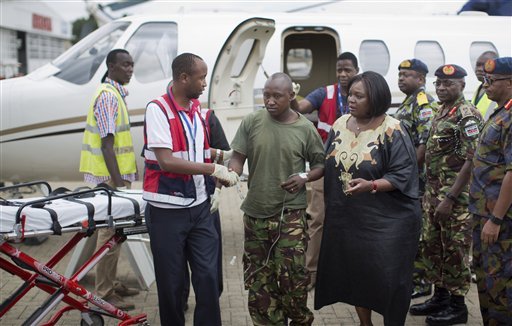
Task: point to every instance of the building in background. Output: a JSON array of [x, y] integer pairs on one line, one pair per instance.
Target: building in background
[[31, 35]]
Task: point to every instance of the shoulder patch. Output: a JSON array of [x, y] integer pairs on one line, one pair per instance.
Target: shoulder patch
[[469, 127], [426, 113], [421, 98]]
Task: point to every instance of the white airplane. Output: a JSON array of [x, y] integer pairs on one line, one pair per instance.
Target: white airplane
[[43, 113]]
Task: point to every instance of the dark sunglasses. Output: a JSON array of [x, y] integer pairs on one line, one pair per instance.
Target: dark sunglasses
[[490, 81]]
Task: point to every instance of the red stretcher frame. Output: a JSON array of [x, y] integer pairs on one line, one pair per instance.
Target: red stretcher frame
[[42, 275]]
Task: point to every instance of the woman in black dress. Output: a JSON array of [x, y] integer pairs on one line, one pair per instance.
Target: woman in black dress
[[372, 218]]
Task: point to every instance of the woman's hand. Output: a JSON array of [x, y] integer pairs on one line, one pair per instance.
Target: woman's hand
[[358, 186]]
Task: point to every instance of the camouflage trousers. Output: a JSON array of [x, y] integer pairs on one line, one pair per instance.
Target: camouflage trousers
[[274, 269], [493, 268], [446, 247]]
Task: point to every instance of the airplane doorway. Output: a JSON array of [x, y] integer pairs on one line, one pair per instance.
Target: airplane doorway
[[309, 56]]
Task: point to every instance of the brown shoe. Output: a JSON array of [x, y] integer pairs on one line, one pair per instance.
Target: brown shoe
[[123, 290], [117, 301]]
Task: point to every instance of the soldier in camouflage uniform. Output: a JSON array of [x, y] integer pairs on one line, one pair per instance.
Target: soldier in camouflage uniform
[[416, 113], [277, 142], [491, 199], [450, 147]]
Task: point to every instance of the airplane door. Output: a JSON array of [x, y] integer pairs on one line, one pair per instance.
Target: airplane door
[[231, 93]]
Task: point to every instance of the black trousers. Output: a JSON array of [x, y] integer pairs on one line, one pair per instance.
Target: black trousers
[[178, 236], [186, 292]]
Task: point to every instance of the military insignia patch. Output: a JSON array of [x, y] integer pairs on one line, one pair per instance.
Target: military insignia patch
[[489, 66], [471, 130], [448, 70], [421, 98], [405, 64], [425, 114]]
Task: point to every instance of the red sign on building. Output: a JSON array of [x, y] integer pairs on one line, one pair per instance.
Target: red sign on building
[[41, 22]]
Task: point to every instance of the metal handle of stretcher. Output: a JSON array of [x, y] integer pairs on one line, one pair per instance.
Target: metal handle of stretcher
[[28, 184], [72, 194]]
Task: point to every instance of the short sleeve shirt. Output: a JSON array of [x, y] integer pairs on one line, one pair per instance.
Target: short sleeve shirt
[[492, 160], [275, 151], [416, 113], [452, 141]]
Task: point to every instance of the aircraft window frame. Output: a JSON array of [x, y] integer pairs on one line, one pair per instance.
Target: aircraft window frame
[[306, 58], [242, 57], [475, 52], [374, 56], [156, 48], [75, 68], [427, 51]]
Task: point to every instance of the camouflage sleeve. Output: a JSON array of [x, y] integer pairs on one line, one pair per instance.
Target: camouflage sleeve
[[507, 144], [469, 127], [424, 122]]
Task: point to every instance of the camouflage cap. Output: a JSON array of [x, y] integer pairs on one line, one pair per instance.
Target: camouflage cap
[[450, 72], [414, 64], [499, 66]]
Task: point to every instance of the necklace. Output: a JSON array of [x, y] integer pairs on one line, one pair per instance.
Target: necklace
[[363, 126]]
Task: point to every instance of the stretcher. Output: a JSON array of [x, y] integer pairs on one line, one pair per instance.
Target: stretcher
[[81, 212]]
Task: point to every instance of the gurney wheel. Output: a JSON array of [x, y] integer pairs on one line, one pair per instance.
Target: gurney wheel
[[96, 320]]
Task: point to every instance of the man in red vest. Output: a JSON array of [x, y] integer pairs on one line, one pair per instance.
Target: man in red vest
[[331, 103], [178, 185]]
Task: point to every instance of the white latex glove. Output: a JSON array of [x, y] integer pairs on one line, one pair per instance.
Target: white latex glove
[[225, 177], [226, 155], [215, 201], [296, 88]]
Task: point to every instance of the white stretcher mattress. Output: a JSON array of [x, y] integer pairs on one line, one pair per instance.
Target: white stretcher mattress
[[70, 213]]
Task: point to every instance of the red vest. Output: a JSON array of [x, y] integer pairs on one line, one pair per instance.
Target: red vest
[[173, 188], [327, 111]]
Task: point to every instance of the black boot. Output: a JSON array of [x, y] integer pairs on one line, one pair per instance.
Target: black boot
[[456, 313], [439, 301]]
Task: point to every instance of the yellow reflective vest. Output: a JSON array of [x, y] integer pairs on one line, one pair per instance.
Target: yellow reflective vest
[[91, 158], [483, 104]]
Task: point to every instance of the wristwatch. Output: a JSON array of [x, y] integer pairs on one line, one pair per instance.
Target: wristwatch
[[303, 175], [495, 220]]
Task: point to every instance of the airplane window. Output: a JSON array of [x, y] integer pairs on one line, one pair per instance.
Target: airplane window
[[153, 47], [477, 48], [374, 56], [299, 62], [242, 57], [431, 53], [79, 64]]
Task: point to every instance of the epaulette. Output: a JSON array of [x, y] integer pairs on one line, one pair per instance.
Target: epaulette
[[508, 105], [466, 111], [421, 98]]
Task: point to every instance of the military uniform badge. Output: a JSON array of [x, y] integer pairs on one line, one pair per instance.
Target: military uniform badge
[[448, 70]]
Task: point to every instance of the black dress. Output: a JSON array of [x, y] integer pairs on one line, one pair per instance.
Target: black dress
[[370, 240]]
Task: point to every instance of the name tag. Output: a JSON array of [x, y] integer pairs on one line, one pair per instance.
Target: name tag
[[425, 113]]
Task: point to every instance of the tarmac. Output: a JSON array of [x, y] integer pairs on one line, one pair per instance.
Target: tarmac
[[233, 300]]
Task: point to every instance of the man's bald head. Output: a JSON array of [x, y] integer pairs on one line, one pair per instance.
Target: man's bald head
[[281, 79]]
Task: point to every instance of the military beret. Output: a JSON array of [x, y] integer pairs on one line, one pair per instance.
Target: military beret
[[499, 66], [450, 72], [414, 64]]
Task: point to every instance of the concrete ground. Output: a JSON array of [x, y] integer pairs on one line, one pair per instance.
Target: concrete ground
[[233, 301]]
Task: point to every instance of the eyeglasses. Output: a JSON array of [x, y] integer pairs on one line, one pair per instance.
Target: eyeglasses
[[489, 81], [445, 83]]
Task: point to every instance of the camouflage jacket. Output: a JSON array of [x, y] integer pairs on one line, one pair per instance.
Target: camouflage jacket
[[416, 113], [493, 158], [452, 141]]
